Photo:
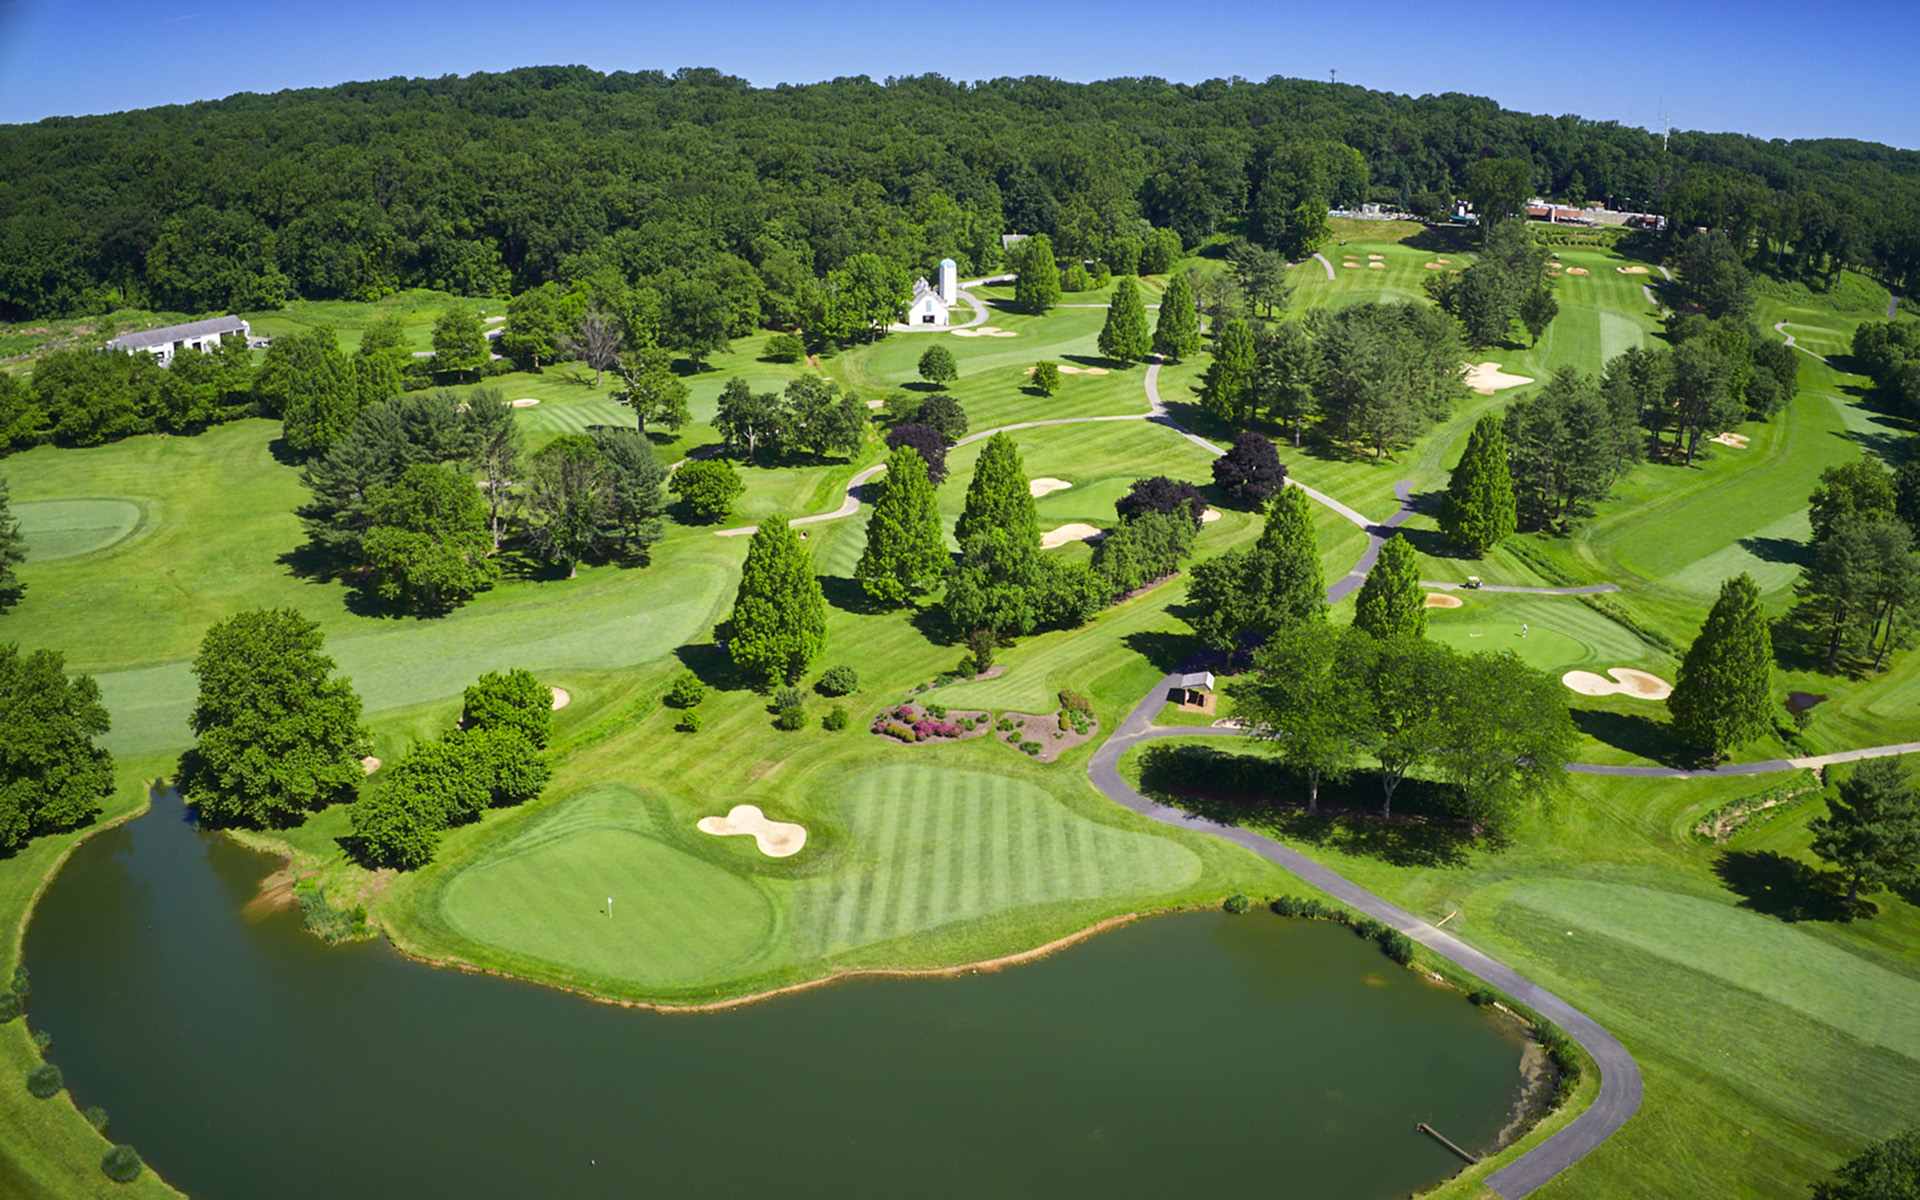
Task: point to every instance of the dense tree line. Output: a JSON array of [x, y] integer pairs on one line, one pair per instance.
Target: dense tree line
[[52, 775], [702, 195]]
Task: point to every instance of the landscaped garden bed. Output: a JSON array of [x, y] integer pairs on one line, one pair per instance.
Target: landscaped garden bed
[[1045, 737], [913, 724]]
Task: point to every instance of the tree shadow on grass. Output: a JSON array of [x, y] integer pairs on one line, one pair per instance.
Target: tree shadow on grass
[[1164, 649], [848, 596], [1777, 550], [711, 666], [1251, 791], [1434, 544], [1636, 734], [1774, 885]]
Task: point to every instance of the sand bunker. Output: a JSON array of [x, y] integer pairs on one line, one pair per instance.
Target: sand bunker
[[1577, 271], [1212, 514], [965, 332], [1096, 371], [1046, 484], [1736, 440], [1442, 600], [561, 698], [1434, 266], [529, 402], [1443, 260], [1631, 270], [777, 839], [1637, 684], [1078, 531], [1354, 265], [1376, 256], [1377, 266], [1487, 378], [883, 403], [1070, 369], [369, 764]]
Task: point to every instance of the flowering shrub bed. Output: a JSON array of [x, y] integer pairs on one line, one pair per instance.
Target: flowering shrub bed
[[914, 723]]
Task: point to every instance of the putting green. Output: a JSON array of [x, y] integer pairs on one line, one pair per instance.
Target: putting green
[[1561, 633], [1090, 501], [69, 528], [676, 919]]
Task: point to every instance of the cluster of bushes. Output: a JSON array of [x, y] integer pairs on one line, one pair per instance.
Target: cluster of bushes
[[1394, 944], [789, 709], [907, 725], [493, 759], [685, 693], [324, 920], [1076, 712]]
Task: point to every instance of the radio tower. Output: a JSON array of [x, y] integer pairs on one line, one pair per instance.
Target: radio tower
[[1333, 75]]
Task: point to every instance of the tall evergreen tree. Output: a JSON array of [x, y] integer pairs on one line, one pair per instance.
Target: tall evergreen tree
[[906, 554], [1479, 510], [1723, 695], [1872, 828], [1392, 603], [999, 497], [1227, 390], [13, 552], [1177, 333], [1286, 564], [779, 622], [1036, 289], [1124, 338]]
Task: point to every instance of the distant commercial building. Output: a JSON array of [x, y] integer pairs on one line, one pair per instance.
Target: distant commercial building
[[162, 343]]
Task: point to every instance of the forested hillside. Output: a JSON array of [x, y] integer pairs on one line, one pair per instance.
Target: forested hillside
[[490, 184]]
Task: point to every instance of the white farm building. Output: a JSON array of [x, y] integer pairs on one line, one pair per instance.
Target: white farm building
[[197, 335], [932, 304]]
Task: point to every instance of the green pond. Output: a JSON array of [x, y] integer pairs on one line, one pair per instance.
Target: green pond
[[1198, 1054]]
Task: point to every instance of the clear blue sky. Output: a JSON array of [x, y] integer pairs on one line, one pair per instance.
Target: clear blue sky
[[1765, 67]]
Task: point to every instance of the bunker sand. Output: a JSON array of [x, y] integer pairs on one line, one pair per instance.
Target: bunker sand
[[1078, 531], [1442, 600], [1487, 378], [1047, 484], [1625, 682], [776, 839]]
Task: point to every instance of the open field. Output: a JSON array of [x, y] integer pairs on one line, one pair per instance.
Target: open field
[[1770, 1048]]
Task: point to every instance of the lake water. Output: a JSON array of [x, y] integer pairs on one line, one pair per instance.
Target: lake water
[[1192, 1055]]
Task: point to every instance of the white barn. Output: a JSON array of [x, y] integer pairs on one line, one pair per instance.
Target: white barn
[[933, 305], [163, 342]]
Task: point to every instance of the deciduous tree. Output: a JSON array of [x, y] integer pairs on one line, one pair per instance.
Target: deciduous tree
[[569, 497], [708, 487], [937, 366], [459, 344], [649, 387], [928, 443], [429, 542], [1308, 701], [52, 776], [512, 699], [277, 733], [1250, 472]]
